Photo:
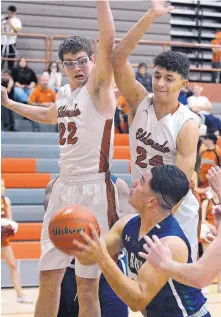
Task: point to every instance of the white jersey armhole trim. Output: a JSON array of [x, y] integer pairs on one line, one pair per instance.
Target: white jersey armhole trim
[[177, 298], [176, 136], [148, 96]]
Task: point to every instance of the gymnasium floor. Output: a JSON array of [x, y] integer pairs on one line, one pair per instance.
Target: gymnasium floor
[[10, 308]]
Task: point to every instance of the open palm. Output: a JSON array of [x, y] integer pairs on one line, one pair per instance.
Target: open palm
[[159, 7]]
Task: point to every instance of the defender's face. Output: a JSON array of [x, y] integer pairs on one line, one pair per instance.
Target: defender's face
[[140, 192], [167, 84], [78, 75]]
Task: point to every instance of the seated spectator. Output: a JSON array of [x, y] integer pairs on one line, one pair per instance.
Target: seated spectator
[[42, 96], [216, 58], [7, 114], [210, 156], [212, 122], [25, 80], [184, 94], [143, 77], [55, 76], [197, 103], [121, 115]]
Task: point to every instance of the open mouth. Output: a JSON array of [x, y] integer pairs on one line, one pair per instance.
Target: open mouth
[[79, 77]]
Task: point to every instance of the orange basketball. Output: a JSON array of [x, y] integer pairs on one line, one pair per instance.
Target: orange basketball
[[67, 224]]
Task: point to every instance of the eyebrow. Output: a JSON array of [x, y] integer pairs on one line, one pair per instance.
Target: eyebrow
[[73, 60], [168, 75]]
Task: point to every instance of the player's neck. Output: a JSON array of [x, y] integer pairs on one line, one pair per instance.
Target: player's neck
[[163, 108], [149, 220]]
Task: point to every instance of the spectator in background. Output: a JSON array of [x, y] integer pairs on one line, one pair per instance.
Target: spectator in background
[[8, 231], [55, 76], [42, 96], [10, 24], [25, 80], [197, 103], [210, 156], [8, 115], [212, 123], [184, 94], [121, 115], [143, 77], [216, 58]]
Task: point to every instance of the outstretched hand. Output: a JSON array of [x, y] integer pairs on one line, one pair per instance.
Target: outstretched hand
[[158, 7], [157, 253], [214, 178]]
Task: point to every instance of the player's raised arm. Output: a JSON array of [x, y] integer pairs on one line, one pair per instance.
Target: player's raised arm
[[124, 75], [102, 74], [38, 114]]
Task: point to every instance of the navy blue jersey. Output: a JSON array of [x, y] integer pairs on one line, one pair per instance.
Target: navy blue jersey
[[113, 178], [174, 299]]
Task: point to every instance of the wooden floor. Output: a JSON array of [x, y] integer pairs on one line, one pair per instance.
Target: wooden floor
[[10, 308]]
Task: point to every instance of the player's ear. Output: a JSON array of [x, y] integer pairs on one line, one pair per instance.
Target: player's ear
[[185, 83]]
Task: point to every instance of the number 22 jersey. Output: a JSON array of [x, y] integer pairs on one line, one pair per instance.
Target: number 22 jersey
[[85, 137], [153, 143]]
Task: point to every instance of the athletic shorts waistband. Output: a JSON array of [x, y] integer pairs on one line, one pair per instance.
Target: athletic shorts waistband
[[85, 178]]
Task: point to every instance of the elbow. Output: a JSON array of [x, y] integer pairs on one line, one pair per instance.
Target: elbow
[[137, 306], [118, 57]]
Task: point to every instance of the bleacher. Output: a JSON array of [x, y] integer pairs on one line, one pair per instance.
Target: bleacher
[[29, 162], [196, 22], [80, 18]]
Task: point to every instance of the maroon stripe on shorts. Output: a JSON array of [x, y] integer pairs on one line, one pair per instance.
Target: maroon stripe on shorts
[[105, 147]]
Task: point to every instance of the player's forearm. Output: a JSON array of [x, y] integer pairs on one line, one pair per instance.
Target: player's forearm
[[106, 26], [201, 273], [127, 289], [126, 46], [38, 114]]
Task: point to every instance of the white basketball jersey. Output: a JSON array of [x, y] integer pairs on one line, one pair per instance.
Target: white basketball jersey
[[86, 138], [153, 143]]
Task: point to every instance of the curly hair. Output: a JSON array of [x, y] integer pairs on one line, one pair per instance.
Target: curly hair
[[173, 61], [75, 44]]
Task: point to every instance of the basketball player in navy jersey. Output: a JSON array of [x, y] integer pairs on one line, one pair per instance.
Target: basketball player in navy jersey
[[151, 291], [203, 272]]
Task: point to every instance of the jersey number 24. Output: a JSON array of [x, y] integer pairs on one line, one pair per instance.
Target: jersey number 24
[[156, 160]]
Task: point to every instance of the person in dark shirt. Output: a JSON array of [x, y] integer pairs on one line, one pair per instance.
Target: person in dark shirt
[[25, 80], [143, 77], [8, 121]]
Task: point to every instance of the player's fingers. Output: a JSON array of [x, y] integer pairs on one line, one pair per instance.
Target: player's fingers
[[149, 242], [157, 241], [93, 232], [146, 248], [170, 8], [86, 238], [143, 255], [80, 246]]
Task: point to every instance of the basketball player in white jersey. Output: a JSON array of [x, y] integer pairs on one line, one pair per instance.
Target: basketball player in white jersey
[[84, 111], [162, 131]]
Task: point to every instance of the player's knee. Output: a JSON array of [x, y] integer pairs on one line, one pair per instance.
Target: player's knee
[[50, 281], [87, 288], [12, 266]]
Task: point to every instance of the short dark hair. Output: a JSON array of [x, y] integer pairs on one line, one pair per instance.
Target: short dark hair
[[75, 44], [173, 61], [142, 65], [170, 183], [211, 137], [12, 8]]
